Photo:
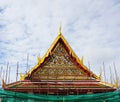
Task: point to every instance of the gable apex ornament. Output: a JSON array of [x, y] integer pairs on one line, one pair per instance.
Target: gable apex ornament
[[59, 33]]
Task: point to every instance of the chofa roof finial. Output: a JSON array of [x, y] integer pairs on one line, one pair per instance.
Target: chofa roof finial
[[60, 30]]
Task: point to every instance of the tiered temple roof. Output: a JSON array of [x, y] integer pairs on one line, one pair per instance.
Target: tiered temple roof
[[60, 71]]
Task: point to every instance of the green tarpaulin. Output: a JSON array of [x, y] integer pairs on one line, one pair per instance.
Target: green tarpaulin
[[8, 96]]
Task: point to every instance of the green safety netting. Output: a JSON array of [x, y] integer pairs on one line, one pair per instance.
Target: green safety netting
[[8, 96]]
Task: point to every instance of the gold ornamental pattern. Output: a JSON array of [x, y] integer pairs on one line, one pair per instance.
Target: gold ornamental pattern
[[59, 65]]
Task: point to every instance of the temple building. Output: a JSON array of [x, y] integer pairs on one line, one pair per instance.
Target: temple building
[[60, 72]]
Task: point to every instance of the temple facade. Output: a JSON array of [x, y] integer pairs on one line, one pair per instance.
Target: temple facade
[[60, 71]]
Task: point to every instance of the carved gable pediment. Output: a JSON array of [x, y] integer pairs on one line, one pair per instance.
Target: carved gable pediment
[[59, 57], [60, 63]]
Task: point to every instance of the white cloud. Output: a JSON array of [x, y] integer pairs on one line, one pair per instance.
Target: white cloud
[[90, 26]]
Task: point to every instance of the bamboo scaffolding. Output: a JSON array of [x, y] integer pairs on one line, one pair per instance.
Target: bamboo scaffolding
[[1, 72], [105, 80], [117, 79], [17, 71], [27, 64], [9, 75], [100, 73], [6, 76], [104, 72], [111, 76], [3, 75], [115, 71]]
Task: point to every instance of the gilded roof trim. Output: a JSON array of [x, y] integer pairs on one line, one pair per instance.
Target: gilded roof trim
[[40, 61]]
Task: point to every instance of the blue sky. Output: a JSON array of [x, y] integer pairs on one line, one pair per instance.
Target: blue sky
[[92, 28]]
